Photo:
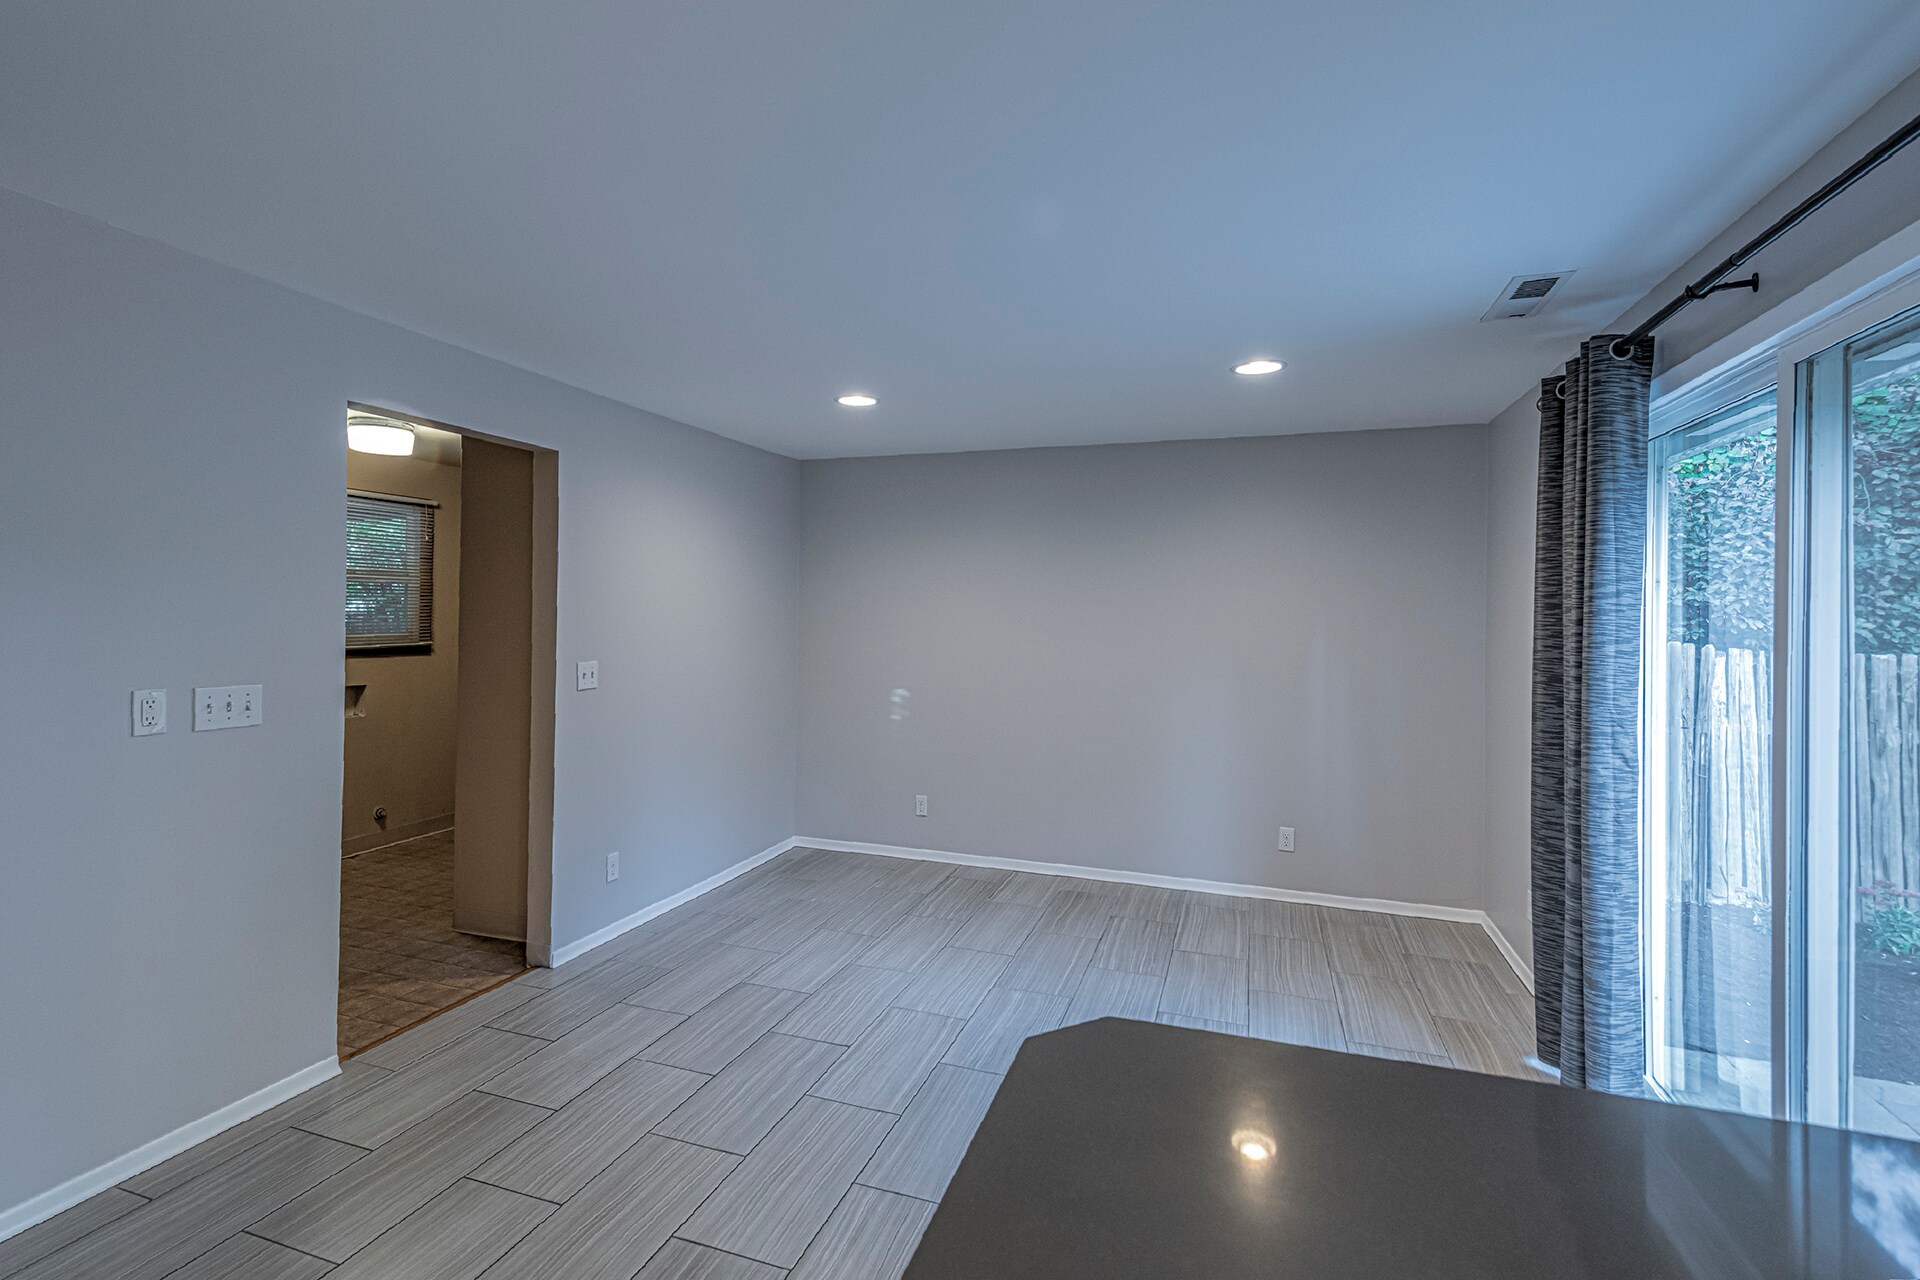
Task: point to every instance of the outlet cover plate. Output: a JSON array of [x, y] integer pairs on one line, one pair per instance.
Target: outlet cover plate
[[149, 712], [613, 867], [1286, 840]]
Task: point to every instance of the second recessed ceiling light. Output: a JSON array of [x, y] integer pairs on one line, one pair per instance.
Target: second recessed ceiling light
[[857, 401], [1254, 368]]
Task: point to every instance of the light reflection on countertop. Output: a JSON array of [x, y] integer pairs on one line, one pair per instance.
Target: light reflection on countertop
[[1122, 1149]]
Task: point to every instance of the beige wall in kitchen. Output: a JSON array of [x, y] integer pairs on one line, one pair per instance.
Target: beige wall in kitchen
[[496, 701], [400, 748]]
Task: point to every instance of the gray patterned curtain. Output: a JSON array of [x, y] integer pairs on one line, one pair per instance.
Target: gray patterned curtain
[[1588, 579]]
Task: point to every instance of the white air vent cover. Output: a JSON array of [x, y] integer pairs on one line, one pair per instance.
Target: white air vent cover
[[1525, 295]]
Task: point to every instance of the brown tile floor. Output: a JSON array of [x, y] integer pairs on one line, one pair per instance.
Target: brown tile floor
[[400, 957]]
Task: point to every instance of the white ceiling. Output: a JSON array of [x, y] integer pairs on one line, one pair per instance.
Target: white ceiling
[[1015, 223]]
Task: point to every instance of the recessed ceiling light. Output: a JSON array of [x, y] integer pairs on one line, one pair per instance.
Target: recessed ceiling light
[[1254, 1147], [367, 433], [858, 401], [1254, 368]]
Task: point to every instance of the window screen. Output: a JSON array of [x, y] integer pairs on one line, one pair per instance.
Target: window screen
[[389, 572]]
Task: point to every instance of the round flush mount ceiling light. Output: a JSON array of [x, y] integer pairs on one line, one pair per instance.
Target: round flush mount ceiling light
[[368, 433], [1254, 1147], [858, 401], [1255, 368]]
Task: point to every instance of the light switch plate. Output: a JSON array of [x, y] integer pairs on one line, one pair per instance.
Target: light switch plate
[[586, 675], [229, 706], [149, 712]]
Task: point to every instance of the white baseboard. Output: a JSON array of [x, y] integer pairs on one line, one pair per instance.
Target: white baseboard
[[1384, 906], [558, 956], [71, 1192], [1519, 962], [74, 1190]]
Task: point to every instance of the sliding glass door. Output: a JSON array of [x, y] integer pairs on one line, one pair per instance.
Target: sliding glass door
[[1709, 751], [1782, 742], [1861, 416]]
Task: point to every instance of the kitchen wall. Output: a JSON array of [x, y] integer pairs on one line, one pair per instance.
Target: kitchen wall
[[400, 743]]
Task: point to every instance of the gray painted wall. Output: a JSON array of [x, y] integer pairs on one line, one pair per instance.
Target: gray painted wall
[[174, 450], [1149, 657], [1513, 462], [1869, 213]]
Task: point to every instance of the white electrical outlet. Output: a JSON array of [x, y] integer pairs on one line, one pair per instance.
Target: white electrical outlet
[[586, 675], [613, 867], [231, 706], [919, 806], [1286, 839], [149, 712]]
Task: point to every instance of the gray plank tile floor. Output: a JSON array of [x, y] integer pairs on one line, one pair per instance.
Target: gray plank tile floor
[[775, 1079]]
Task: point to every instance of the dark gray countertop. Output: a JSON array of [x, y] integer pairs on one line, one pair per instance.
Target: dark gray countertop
[[1112, 1151]]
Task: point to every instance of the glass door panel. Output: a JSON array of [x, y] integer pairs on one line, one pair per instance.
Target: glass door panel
[[1880, 753], [1709, 739]]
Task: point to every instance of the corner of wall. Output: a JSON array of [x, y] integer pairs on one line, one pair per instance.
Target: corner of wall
[[1512, 453]]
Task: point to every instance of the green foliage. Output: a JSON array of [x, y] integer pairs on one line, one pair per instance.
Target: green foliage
[[1886, 514], [1720, 504], [1889, 920]]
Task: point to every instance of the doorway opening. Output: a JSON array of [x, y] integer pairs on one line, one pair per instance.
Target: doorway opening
[[447, 761]]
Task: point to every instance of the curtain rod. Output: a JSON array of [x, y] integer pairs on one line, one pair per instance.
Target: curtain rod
[[1716, 280]]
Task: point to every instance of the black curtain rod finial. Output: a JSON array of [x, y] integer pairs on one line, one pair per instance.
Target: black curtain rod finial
[[1716, 279]]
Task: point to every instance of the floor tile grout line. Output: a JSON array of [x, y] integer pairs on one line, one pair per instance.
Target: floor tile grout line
[[741, 1159], [1325, 940], [998, 1075], [245, 1229], [700, 1244], [507, 1097], [248, 1231], [295, 1128], [419, 1209], [738, 1160], [889, 1191], [917, 1091], [837, 1206], [1317, 925], [473, 1177]]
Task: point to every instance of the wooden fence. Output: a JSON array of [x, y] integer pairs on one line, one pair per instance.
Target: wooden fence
[[1720, 772], [1720, 768], [1885, 725]]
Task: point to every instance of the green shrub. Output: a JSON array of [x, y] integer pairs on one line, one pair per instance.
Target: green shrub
[[1889, 920]]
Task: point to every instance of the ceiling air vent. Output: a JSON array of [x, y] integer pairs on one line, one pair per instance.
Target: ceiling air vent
[[1525, 295]]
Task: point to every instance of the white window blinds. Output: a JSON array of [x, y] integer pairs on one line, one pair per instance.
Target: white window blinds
[[389, 572]]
